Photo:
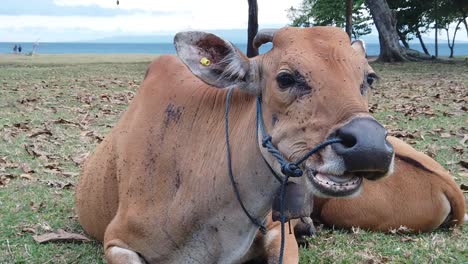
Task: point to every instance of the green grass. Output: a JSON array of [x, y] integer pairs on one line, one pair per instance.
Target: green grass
[[76, 99]]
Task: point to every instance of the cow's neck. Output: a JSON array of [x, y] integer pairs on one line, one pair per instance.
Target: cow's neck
[[255, 181]]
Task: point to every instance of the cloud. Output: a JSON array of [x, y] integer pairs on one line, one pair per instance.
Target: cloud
[[50, 8], [134, 16]]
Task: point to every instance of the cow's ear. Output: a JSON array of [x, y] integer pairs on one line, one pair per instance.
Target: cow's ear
[[359, 46], [214, 60]]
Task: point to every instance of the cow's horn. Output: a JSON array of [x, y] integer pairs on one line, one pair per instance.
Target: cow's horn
[[263, 36]]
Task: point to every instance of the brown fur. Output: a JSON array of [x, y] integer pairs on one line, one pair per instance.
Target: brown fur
[[415, 196], [157, 187]]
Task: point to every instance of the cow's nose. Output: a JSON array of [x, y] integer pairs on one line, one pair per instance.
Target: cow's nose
[[365, 149]]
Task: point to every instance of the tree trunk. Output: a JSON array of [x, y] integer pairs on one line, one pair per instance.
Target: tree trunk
[[252, 28], [423, 46], [349, 17], [385, 21], [451, 46], [403, 39]]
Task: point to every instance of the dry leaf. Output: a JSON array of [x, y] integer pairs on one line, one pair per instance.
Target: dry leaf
[[445, 135], [38, 132], [52, 166], [464, 164], [25, 168], [80, 158], [33, 150], [36, 206], [60, 236], [458, 149], [465, 137], [59, 184], [27, 176], [28, 230], [408, 239], [70, 174], [5, 178]]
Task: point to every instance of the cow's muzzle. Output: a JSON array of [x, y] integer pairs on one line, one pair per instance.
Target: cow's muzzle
[[364, 148]]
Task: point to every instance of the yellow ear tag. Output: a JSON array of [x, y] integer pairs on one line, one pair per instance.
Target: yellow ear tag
[[205, 61]]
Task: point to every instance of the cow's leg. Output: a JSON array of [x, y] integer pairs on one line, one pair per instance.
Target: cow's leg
[[272, 244], [121, 255], [303, 229]]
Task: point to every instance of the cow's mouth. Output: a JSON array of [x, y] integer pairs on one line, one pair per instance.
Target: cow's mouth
[[335, 185]]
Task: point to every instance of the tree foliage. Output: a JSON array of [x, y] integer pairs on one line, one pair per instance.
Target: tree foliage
[[330, 13], [413, 17]]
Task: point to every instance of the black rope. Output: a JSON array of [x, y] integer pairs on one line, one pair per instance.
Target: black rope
[[289, 169], [255, 221]]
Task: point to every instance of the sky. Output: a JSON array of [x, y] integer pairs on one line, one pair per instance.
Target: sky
[[82, 20], [68, 20]]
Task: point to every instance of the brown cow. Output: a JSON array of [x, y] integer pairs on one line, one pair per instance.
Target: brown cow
[[420, 196], [157, 190]]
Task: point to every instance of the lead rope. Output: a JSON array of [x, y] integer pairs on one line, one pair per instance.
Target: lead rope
[[289, 169]]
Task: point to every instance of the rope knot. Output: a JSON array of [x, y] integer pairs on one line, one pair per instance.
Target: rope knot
[[265, 140], [291, 170]]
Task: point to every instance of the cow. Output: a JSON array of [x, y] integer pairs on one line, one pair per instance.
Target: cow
[[420, 196], [157, 188]]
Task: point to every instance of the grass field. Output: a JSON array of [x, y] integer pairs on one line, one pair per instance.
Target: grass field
[[56, 108]]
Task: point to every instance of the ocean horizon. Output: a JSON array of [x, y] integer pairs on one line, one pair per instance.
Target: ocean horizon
[[373, 49]]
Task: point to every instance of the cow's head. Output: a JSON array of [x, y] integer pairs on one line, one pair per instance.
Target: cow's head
[[313, 84]]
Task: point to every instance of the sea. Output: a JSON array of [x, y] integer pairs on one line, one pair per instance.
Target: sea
[[461, 49]]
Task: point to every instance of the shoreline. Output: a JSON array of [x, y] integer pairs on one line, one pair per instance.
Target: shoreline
[[90, 58], [75, 58]]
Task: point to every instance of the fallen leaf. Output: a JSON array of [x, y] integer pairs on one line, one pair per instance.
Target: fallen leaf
[[38, 132], [25, 168], [408, 239], [80, 158], [5, 178], [464, 164], [28, 230], [459, 149], [60, 236], [27, 176], [36, 206], [22, 125], [70, 174], [52, 166], [68, 122], [59, 184], [445, 135], [465, 137], [400, 230]]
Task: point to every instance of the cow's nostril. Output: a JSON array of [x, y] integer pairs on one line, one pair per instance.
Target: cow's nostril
[[348, 140]]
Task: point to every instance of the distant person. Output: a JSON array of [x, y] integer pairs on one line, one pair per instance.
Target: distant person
[[15, 49], [34, 48], [20, 48]]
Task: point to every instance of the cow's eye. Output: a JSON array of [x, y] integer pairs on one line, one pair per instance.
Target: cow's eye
[[371, 78], [285, 80]]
